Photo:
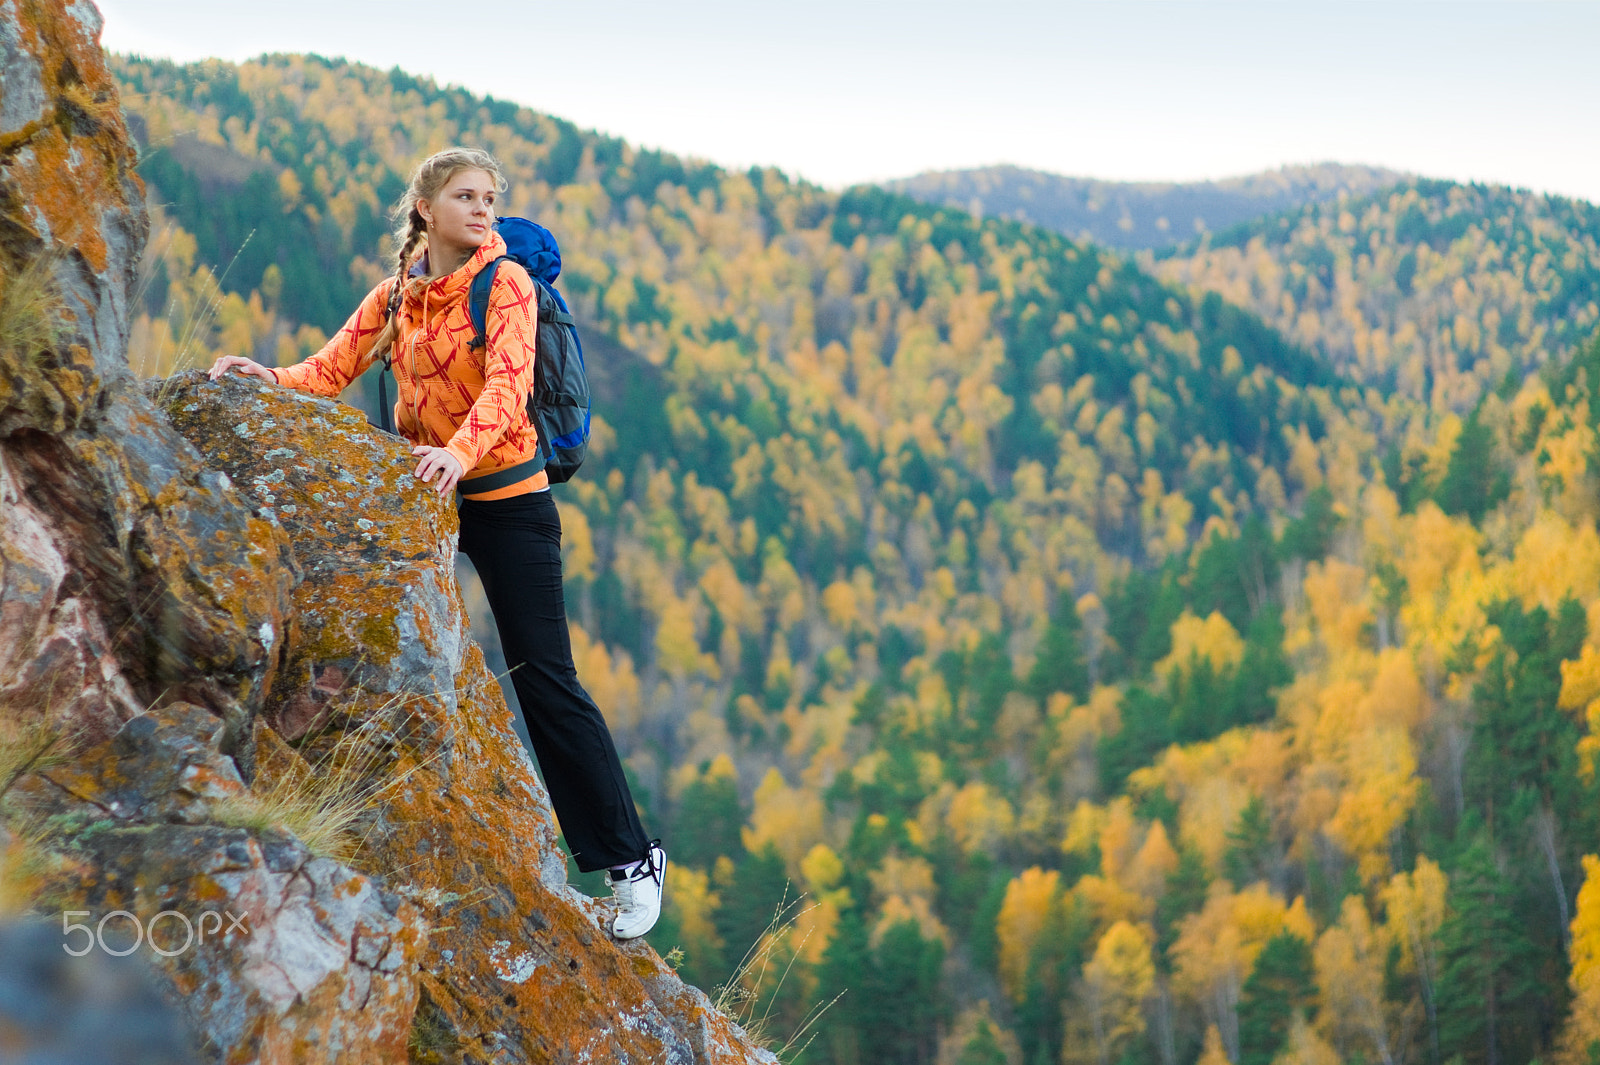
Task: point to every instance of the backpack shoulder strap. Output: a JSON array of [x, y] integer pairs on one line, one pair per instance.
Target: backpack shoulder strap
[[552, 308], [478, 301]]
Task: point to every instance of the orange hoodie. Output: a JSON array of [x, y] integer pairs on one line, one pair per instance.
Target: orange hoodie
[[471, 402]]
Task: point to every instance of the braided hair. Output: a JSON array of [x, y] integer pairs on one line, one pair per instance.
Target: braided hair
[[411, 231]]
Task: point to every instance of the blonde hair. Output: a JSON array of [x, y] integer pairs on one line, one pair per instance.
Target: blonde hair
[[430, 176]]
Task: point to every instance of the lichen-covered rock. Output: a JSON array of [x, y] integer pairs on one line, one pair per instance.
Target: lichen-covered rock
[[56, 657], [376, 597], [273, 954], [131, 574], [519, 968], [161, 766], [71, 207], [129, 571]]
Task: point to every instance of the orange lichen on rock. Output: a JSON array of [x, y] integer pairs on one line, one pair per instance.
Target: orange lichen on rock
[[62, 126], [122, 577]]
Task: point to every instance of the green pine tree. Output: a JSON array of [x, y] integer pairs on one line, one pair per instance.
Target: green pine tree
[[1249, 856], [1185, 894], [1476, 481], [707, 822], [983, 1048], [751, 901], [849, 970], [1488, 988], [1282, 982], [908, 997], [1060, 665]]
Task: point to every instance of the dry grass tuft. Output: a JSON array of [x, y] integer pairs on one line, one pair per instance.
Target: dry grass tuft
[[322, 805], [27, 858], [771, 958], [28, 747], [170, 355], [431, 1040], [28, 864], [30, 309]]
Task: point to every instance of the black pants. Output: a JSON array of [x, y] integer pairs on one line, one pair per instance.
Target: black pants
[[515, 545]]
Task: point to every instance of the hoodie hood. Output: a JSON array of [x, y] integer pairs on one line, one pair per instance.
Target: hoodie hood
[[527, 242], [446, 289]]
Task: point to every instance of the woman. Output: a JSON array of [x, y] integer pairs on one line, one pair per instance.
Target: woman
[[464, 409]]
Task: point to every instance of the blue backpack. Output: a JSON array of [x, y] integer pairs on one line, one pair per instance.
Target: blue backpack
[[559, 405]]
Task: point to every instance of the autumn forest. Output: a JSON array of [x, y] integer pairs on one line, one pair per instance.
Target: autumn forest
[[1030, 652]]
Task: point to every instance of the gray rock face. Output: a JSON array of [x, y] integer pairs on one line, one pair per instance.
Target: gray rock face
[[270, 951], [129, 571]]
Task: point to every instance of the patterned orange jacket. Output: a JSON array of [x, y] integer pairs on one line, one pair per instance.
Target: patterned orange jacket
[[471, 402]]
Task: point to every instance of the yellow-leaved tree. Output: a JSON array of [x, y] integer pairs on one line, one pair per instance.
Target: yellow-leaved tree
[[1580, 1041], [787, 819], [1350, 959], [1024, 915], [1116, 982], [1416, 908], [1217, 947]]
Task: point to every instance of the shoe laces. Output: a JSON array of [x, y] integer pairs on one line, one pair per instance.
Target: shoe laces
[[622, 891], [647, 868]]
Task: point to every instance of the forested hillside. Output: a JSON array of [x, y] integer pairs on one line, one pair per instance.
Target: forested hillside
[[1084, 651], [1139, 214], [1434, 290]]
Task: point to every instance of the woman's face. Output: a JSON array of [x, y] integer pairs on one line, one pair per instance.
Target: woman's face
[[461, 215]]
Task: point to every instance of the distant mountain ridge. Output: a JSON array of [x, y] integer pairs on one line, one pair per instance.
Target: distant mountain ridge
[[1429, 289], [1138, 215]]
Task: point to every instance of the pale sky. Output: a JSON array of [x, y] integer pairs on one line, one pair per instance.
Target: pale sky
[[844, 91]]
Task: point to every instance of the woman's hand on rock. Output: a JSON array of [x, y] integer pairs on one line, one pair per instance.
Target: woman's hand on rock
[[436, 460], [243, 365]]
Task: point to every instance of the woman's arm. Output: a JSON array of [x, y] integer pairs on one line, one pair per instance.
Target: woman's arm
[[507, 366], [348, 354]]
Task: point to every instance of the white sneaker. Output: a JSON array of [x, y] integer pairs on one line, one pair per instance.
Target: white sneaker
[[638, 894]]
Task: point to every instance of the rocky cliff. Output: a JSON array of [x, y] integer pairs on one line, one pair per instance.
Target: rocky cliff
[[244, 726]]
